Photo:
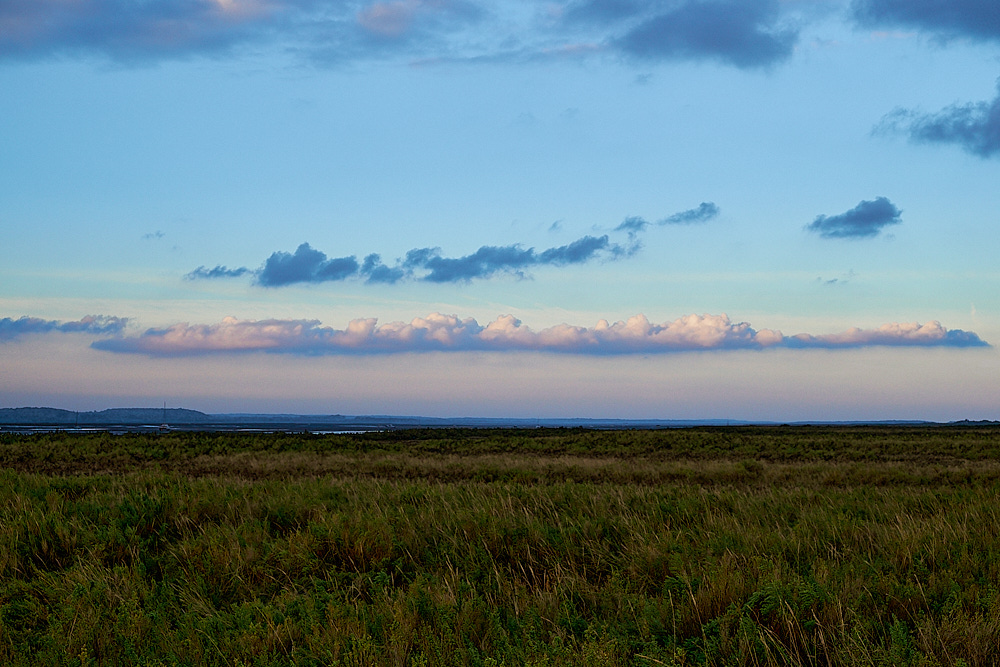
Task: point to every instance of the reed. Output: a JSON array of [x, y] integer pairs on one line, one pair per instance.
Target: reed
[[616, 554]]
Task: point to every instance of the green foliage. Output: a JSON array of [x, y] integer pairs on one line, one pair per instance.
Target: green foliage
[[609, 548]]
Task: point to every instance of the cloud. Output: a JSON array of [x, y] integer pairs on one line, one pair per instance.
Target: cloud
[[489, 261], [633, 224], [603, 11], [130, 31], [894, 334], [309, 265], [863, 221], [485, 262], [448, 333], [101, 325], [974, 19], [389, 19], [375, 271], [742, 33], [218, 272], [705, 212], [975, 127]]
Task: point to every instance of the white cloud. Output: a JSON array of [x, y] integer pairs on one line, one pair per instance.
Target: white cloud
[[438, 332]]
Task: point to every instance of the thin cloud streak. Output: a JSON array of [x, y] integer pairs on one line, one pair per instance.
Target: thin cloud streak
[[448, 333], [101, 325], [706, 211], [219, 271], [703, 213]]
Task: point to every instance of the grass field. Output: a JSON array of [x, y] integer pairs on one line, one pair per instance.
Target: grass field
[[708, 546]]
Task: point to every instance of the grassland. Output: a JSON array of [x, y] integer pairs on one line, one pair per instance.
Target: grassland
[[724, 546]]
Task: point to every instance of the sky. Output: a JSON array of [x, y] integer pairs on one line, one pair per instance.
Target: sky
[[671, 209]]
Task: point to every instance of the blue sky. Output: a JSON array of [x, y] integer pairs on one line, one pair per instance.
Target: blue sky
[[765, 209]]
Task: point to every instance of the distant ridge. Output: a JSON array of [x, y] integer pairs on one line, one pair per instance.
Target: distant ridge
[[142, 419], [182, 419], [58, 417]]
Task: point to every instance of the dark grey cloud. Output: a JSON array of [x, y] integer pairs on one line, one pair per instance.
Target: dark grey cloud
[[306, 265], [743, 33], [218, 272], [581, 250], [309, 265], [633, 224], [489, 261], [375, 271], [975, 19], [705, 212], [865, 220], [100, 325], [975, 127], [604, 11], [149, 30], [485, 262]]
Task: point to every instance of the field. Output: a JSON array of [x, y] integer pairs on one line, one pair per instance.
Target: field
[[705, 546]]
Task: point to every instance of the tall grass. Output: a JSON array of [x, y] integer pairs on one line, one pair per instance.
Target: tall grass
[[733, 561]]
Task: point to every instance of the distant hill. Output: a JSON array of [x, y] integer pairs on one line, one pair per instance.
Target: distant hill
[[140, 419], [194, 420], [55, 416]]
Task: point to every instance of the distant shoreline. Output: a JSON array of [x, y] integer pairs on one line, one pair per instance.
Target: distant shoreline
[[139, 420]]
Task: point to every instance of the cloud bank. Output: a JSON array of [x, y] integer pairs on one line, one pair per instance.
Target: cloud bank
[[974, 127], [102, 325], [448, 333], [865, 220], [948, 19], [740, 33], [309, 265]]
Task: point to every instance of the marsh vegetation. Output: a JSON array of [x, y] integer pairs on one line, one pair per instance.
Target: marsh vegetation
[[709, 546]]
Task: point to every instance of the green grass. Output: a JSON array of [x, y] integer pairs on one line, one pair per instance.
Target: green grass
[[784, 546]]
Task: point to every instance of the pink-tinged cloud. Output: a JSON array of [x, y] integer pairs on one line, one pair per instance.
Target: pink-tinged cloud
[[130, 30], [895, 333], [388, 19], [438, 332]]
